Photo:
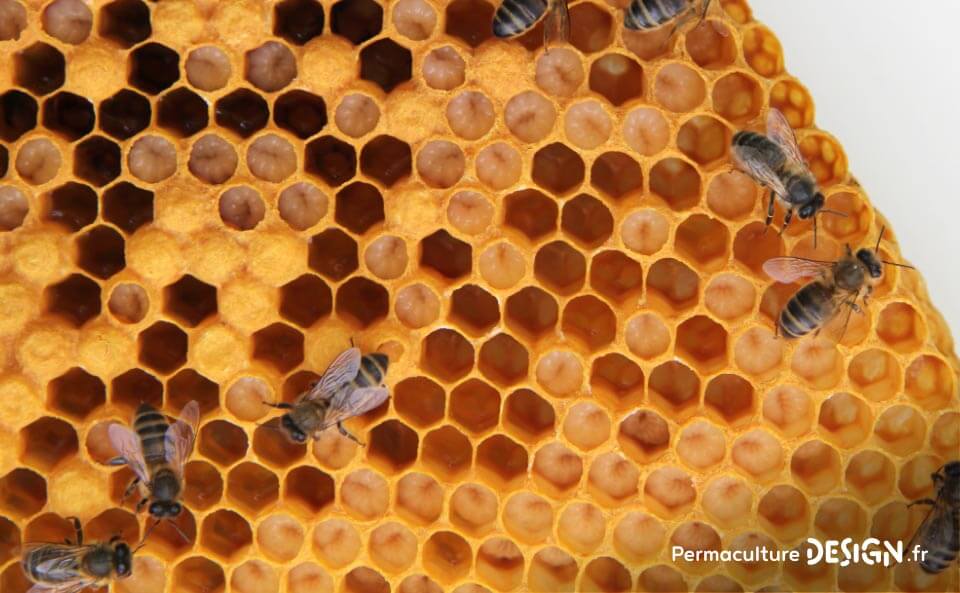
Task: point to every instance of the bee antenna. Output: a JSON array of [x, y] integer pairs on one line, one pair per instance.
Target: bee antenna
[[814, 232], [146, 534], [880, 238], [178, 530], [899, 265], [834, 212]]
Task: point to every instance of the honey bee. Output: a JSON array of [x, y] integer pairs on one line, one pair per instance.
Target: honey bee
[[838, 285], [156, 451], [516, 17], [71, 567], [351, 385], [939, 533], [645, 15], [774, 161]]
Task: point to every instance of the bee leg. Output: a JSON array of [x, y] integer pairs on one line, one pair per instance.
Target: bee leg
[[706, 6], [141, 504], [348, 434], [129, 490], [927, 501], [770, 204], [78, 531], [786, 221], [281, 405]]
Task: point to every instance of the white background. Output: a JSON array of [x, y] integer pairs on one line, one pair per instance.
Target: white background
[[885, 80]]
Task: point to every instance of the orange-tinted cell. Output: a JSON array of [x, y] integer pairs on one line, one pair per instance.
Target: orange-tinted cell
[[644, 435], [501, 461], [618, 380]]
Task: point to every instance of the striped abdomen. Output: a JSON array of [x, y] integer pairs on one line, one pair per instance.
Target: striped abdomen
[[650, 14], [52, 563], [151, 426], [940, 554], [515, 17], [373, 368], [760, 147], [807, 310]]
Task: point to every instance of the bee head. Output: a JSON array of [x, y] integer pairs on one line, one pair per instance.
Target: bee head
[[952, 469], [162, 509], [292, 430], [811, 208], [868, 257], [122, 559]]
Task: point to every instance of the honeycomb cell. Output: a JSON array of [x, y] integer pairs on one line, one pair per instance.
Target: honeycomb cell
[[530, 116], [419, 401], [69, 115], [674, 387], [300, 112], [608, 575], [901, 328], [718, 582], [22, 493], [47, 443], [243, 111], [124, 114], [762, 51], [560, 373], [241, 208], [676, 182], [695, 536], [274, 447], [500, 563], [414, 19], [393, 446], [530, 212], [701, 445], [528, 416], [618, 78], [730, 398], [336, 542], [270, 67], [732, 195], [359, 207], [560, 268], [845, 419], [331, 159], [9, 539], [929, 382], [448, 256], [226, 534], [752, 246], [758, 454], [207, 68], [280, 346], [531, 312], [474, 309], [152, 159], [362, 301], [616, 175], [900, 429], [443, 69], [254, 576], [189, 385], [306, 300], [704, 140], [129, 303], [14, 20], [18, 114], [204, 485], [76, 394], [738, 98], [558, 169], [703, 343], [644, 435], [612, 479], [199, 575], [870, 476], [501, 462], [419, 498], [182, 112], [587, 220], [503, 360], [125, 22], [307, 577], [280, 537], [447, 556], [417, 306], [729, 296], [838, 517], [124, 204], [784, 512], [475, 406], [672, 287], [252, 487], [302, 205], [333, 253], [96, 160], [308, 490], [559, 72], [945, 433], [816, 467], [190, 300], [75, 298], [440, 163], [392, 547], [38, 161], [446, 452], [153, 68], [469, 212], [385, 63], [499, 166], [212, 159], [40, 68], [727, 501], [586, 425], [470, 115]]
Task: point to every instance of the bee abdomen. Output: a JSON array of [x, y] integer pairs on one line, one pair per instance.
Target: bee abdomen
[[762, 146], [373, 368], [938, 559], [806, 310], [650, 14], [151, 426], [515, 17]]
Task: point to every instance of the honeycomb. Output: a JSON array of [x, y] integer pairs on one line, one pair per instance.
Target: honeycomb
[[207, 201]]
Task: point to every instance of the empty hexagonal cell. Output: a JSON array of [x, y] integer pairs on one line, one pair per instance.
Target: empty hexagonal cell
[[816, 467], [704, 241], [501, 461], [737, 97], [128, 206], [784, 512], [189, 385], [531, 312], [447, 355], [900, 429], [560, 267], [475, 406], [183, 112], [358, 21], [18, 114], [279, 345], [587, 220], [618, 78], [730, 398], [39, 68], [362, 301], [528, 416], [675, 388], [703, 343], [672, 287], [298, 21], [190, 300], [76, 393], [448, 256], [333, 253], [474, 309], [419, 400], [591, 321], [446, 452], [96, 160], [386, 159], [306, 300], [252, 487], [359, 206], [331, 159], [616, 175], [616, 276], [447, 556], [162, 347], [73, 205], [47, 442], [76, 299], [226, 534], [300, 112], [69, 115], [242, 111], [676, 182], [557, 169], [308, 490], [845, 419], [126, 22], [644, 435], [199, 575], [153, 68], [124, 114], [134, 387], [617, 379], [503, 360], [272, 445], [530, 212], [711, 47], [385, 63], [469, 20], [101, 252], [393, 446], [22, 493]]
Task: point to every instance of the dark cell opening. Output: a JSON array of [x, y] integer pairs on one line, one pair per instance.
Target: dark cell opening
[[101, 252], [302, 113], [124, 114], [531, 212], [97, 160], [362, 301], [359, 207], [22, 493], [76, 393], [298, 21], [279, 345], [447, 255], [560, 267], [419, 400], [48, 442], [333, 253], [475, 405], [618, 78], [128, 206], [474, 309], [331, 159], [4, 159], [136, 387], [163, 347], [183, 112], [357, 20], [393, 446], [532, 311], [309, 489], [18, 115], [242, 111], [386, 159], [76, 299], [586, 219], [73, 205], [190, 300], [40, 68], [616, 175], [273, 446], [69, 115], [154, 68], [306, 300], [557, 168], [126, 22], [386, 63], [470, 20], [189, 385]]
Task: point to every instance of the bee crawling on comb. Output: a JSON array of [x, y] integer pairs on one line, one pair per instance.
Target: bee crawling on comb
[[352, 385], [73, 566], [838, 285], [647, 15], [516, 17], [938, 536]]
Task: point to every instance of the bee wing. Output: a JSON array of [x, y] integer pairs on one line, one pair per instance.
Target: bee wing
[[790, 269], [557, 25], [178, 441], [934, 528], [66, 587], [59, 562], [350, 403], [127, 444], [341, 371], [754, 163], [779, 130]]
